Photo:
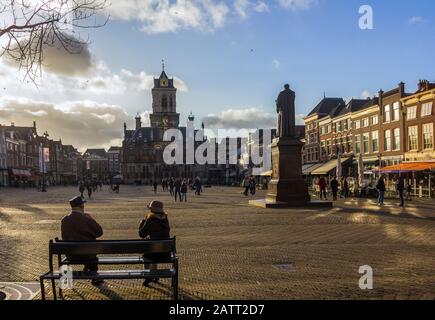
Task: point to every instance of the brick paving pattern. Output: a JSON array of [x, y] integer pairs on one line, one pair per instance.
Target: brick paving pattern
[[229, 250]]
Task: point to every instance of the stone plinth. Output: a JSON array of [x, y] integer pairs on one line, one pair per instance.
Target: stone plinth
[[288, 189]]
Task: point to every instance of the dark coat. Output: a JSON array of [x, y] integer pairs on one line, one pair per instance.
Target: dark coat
[[80, 227], [381, 185], [155, 226], [401, 184], [334, 185]]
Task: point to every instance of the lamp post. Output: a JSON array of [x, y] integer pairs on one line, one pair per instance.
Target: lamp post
[[380, 164]]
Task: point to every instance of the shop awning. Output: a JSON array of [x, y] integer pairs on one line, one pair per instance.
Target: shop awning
[[308, 168], [409, 167], [267, 174], [328, 167], [21, 173]]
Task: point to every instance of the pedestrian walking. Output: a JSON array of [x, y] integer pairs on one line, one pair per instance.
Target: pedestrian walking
[[171, 186], [89, 188], [345, 188], [322, 187], [155, 185], [400, 186], [252, 185], [184, 191], [177, 187], [81, 189], [198, 186], [409, 192], [380, 186], [246, 185]]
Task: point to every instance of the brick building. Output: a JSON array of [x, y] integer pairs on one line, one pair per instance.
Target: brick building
[[391, 131]]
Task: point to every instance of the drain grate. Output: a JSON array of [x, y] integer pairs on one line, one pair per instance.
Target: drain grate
[[284, 266]]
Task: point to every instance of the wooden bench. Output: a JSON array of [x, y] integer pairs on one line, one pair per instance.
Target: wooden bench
[[113, 252]]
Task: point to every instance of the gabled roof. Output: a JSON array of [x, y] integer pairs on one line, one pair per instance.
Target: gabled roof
[[369, 103], [96, 152], [328, 106], [20, 132], [353, 106], [114, 149]]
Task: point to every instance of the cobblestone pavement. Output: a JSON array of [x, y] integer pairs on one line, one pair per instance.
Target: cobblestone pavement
[[229, 250]]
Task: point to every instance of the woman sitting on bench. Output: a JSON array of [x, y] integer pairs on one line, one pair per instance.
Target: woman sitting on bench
[[155, 226]]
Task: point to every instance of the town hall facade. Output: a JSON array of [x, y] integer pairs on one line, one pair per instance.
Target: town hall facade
[[143, 147]]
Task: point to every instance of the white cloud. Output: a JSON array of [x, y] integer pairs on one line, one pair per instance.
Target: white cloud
[[246, 118], [276, 63], [165, 16], [160, 16], [416, 20], [80, 123], [261, 7], [297, 4], [249, 118], [366, 94], [241, 7]]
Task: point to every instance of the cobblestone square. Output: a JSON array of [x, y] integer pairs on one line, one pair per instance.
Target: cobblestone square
[[230, 250]]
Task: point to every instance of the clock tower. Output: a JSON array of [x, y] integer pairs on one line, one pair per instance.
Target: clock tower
[[164, 96]]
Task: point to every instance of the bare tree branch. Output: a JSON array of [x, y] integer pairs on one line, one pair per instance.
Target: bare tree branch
[[29, 27]]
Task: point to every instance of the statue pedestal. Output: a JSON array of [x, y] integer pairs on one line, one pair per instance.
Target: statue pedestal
[[288, 189]]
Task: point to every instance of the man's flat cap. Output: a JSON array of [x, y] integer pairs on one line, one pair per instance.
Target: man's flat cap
[[77, 202]]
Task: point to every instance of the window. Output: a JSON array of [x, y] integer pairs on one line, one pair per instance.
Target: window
[[366, 138], [357, 124], [396, 111], [411, 113], [375, 141], [396, 140], [328, 128], [387, 140], [349, 124], [357, 144], [428, 136], [365, 122], [164, 102], [321, 131], [387, 113], [426, 109], [375, 120], [413, 138], [337, 127]]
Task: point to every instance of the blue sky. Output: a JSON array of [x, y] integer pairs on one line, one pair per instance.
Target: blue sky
[[320, 49], [241, 62]]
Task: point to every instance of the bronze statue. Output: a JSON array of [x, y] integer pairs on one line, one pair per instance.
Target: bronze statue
[[285, 106]]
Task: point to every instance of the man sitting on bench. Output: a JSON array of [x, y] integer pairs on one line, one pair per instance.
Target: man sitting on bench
[[80, 226]]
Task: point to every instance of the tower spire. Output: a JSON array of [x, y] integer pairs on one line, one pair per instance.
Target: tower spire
[[163, 65]]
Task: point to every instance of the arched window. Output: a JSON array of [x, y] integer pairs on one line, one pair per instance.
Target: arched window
[[171, 102], [164, 103]]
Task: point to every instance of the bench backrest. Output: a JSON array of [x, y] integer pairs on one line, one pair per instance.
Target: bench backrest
[[57, 247]]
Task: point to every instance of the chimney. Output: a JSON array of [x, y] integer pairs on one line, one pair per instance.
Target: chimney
[[381, 97], [420, 85], [402, 89]]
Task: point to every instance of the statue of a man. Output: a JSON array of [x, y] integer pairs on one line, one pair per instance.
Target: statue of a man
[[285, 106]]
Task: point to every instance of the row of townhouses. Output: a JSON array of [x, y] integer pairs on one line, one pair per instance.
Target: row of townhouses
[[394, 133], [30, 159]]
